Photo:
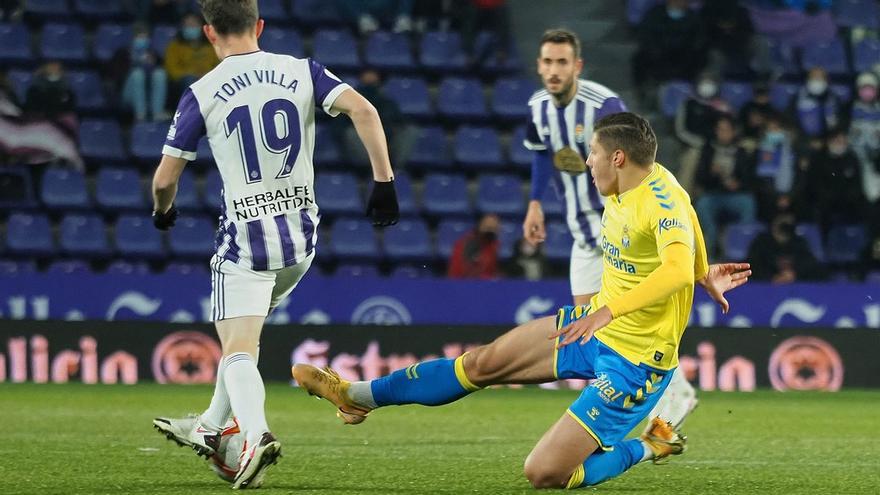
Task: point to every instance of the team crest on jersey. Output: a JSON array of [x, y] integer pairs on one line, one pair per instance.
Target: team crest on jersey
[[579, 133], [624, 239]]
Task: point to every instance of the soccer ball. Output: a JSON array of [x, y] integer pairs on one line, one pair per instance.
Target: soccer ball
[[224, 462]]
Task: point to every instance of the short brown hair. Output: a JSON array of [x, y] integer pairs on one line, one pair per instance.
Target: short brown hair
[[230, 16], [628, 132], [563, 36]]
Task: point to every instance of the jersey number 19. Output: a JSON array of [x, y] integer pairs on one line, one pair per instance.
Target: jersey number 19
[[287, 144]]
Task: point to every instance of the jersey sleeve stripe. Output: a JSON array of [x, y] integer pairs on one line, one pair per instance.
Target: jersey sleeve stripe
[[178, 153]]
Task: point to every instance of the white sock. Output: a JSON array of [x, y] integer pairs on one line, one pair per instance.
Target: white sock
[[362, 393], [677, 401], [246, 394], [214, 418], [647, 454]]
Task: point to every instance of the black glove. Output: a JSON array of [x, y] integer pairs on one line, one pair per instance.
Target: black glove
[[382, 206], [164, 221]]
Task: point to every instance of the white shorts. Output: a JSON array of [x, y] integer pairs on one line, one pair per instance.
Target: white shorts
[[237, 291], [586, 269]]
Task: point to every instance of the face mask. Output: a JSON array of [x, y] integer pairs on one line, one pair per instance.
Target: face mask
[[867, 93], [675, 14], [707, 89], [191, 33], [53, 77], [816, 86], [140, 44], [774, 138]]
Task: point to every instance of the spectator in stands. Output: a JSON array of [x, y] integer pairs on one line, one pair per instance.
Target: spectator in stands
[[436, 15], [189, 56], [829, 190], [872, 249], [816, 107], [729, 29], [475, 254], [864, 132], [781, 257], [484, 15], [528, 262], [695, 123], [775, 166], [142, 81], [370, 15], [671, 46], [49, 97], [723, 182], [753, 115]]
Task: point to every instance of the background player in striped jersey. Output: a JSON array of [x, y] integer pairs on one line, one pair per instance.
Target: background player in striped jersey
[[558, 133], [258, 112]]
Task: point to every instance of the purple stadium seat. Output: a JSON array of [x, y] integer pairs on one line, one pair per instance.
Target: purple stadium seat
[[338, 193], [738, 238], [846, 243], [147, 140], [98, 9], [782, 94], [316, 12], [448, 233], [551, 204], [29, 235], [187, 198], [119, 189], [866, 54], [286, 41], [109, 38], [192, 237], [857, 13], [336, 49], [478, 148], [83, 235], [16, 187], [327, 149], [68, 267], [672, 94], [781, 57], [212, 198], [810, 233], [446, 194], [274, 11], [136, 238], [409, 240], [736, 93], [440, 51], [389, 51], [519, 154], [86, 86], [431, 149], [63, 188], [47, 9], [15, 43], [406, 197], [411, 96], [636, 9], [101, 140], [509, 233], [64, 42], [161, 37], [831, 55], [842, 91], [20, 80], [501, 194], [461, 99], [557, 247], [510, 98], [354, 240]]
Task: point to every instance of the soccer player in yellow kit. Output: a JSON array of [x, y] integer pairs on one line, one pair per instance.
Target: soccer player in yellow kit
[[626, 340]]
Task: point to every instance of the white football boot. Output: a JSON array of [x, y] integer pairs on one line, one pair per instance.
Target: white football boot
[[255, 460], [189, 432]]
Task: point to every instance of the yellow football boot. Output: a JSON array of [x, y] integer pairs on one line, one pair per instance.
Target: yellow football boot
[[663, 440], [327, 384]]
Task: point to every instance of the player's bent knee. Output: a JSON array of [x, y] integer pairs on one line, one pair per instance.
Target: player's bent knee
[[483, 366], [543, 475]]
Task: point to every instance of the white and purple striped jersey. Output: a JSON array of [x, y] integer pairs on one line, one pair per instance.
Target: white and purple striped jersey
[[551, 129], [258, 111]]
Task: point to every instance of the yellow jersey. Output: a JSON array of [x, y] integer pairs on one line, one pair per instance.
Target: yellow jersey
[[636, 226]]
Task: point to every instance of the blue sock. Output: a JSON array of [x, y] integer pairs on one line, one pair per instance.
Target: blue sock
[[430, 383], [602, 466]]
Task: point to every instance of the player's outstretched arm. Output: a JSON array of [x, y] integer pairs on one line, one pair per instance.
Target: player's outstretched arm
[[382, 206], [723, 277], [165, 189]]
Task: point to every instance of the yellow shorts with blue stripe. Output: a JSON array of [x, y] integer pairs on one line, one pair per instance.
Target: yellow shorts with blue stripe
[[621, 393]]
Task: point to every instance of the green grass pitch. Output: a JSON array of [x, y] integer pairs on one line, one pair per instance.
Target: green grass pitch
[[68, 439]]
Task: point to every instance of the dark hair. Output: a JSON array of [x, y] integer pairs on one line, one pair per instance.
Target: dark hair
[[563, 36], [628, 132], [230, 16]]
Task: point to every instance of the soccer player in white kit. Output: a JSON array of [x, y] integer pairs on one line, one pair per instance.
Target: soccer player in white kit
[[559, 130], [257, 110]]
